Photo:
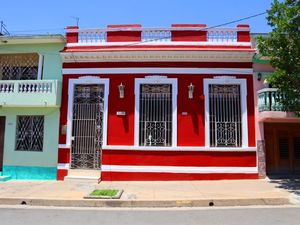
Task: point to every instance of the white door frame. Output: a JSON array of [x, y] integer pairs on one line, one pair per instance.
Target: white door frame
[[87, 80]]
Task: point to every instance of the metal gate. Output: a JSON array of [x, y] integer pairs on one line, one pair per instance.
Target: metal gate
[[88, 105]]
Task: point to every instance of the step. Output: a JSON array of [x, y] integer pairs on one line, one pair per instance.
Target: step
[[82, 178], [79, 174], [4, 178]]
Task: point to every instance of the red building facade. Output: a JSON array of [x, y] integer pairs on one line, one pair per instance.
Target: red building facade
[[158, 104]]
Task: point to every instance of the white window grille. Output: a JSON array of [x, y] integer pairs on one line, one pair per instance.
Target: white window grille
[[23, 66], [30, 133], [155, 123], [225, 115]]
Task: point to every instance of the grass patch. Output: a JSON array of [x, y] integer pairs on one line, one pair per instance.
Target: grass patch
[[104, 192]]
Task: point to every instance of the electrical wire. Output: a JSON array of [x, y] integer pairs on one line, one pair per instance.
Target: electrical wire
[[146, 41]]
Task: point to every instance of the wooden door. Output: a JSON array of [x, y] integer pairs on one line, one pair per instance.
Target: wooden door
[[2, 131], [282, 148]]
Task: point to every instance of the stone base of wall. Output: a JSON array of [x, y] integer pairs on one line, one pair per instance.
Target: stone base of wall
[[261, 155]]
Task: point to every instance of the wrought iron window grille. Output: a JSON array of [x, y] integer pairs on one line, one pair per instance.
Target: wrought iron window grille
[[155, 115], [23, 66], [225, 115], [30, 133]]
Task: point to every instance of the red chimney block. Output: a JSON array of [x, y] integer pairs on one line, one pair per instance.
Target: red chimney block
[[72, 37], [243, 34], [189, 34], [124, 33]]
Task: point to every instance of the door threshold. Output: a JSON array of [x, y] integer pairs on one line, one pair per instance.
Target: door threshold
[[84, 173]]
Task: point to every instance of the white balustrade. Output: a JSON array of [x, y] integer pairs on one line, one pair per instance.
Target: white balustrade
[[29, 93], [6, 87], [92, 36], [222, 35], [35, 87], [99, 36], [156, 35]]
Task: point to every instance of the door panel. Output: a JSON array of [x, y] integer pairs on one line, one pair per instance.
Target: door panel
[[2, 132], [87, 126], [283, 153]]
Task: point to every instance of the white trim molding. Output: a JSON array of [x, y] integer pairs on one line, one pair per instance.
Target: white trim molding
[[63, 146], [155, 80], [178, 148], [178, 169], [160, 43], [63, 166], [87, 80], [161, 70], [243, 90], [150, 55], [40, 67]]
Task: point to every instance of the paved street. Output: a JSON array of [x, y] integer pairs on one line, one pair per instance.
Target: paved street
[[18, 215]]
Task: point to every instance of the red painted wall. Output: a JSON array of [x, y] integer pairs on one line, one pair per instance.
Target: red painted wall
[[121, 128], [179, 158], [190, 127]]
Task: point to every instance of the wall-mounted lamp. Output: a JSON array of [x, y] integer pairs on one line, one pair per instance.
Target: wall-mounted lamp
[[191, 88], [121, 90], [259, 76]]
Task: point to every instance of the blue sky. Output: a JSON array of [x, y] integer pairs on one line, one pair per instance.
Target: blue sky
[[51, 16]]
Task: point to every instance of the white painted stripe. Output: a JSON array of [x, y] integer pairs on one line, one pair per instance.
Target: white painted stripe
[[178, 169], [153, 43], [63, 166], [152, 70], [63, 146], [178, 148]]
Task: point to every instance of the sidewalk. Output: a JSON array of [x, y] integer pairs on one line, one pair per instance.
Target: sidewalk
[[145, 194]]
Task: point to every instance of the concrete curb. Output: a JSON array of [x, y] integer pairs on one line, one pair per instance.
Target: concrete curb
[[144, 203]]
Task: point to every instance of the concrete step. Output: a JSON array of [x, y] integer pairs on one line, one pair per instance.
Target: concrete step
[[79, 174], [82, 178], [4, 178]]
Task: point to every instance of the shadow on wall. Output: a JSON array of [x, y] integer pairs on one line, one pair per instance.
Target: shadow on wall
[[291, 183]]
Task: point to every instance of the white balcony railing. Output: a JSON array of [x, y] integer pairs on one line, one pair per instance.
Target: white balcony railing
[[99, 36], [92, 36], [29, 93], [222, 35], [156, 35]]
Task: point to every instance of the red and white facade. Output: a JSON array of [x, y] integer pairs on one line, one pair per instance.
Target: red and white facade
[[192, 63]]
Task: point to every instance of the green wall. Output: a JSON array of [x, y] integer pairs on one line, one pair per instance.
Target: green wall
[[46, 158], [28, 164]]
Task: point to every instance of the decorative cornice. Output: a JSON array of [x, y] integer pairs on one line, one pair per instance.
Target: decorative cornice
[[157, 56]]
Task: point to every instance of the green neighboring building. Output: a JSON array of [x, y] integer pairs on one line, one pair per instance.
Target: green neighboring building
[[30, 96]]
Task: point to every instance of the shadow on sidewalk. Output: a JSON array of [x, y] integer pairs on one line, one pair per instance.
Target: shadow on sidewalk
[[290, 183]]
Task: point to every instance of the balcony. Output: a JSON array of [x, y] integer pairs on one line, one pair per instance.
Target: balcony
[[270, 108], [269, 100], [30, 93]]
